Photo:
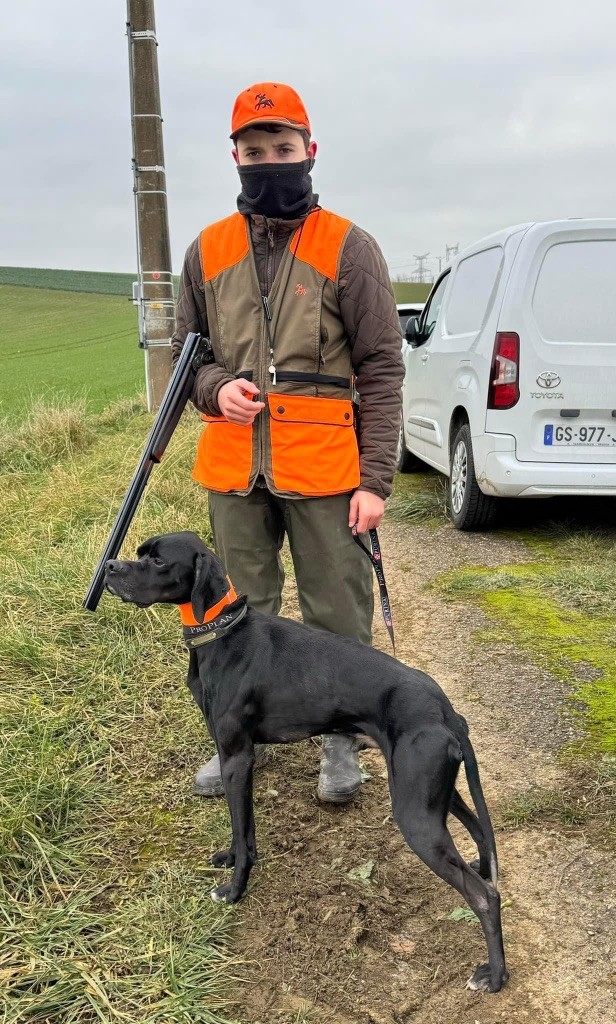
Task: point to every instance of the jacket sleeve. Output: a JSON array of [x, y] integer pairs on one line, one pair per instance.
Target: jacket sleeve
[[191, 315], [371, 322]]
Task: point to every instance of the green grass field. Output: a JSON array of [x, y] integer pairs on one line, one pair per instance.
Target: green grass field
[[66, 345]]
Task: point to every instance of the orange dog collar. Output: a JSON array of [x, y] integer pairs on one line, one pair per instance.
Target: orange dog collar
[[186, 612]]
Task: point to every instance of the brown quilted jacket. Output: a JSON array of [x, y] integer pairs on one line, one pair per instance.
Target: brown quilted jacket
[[368, 312]]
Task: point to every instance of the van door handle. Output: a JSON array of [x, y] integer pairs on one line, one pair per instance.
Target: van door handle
[[425, 357]]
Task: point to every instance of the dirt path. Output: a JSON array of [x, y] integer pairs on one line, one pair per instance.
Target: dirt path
[[323, 945]]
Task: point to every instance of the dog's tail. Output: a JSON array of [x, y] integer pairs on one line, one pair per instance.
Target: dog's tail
[[474, 784]]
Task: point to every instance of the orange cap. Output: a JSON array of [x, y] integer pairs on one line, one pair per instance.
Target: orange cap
[[269, 103]]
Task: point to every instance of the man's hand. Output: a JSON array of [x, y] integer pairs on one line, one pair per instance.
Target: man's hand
[[235, 403], [365, 511]]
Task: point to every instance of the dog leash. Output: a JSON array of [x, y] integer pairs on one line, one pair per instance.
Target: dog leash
[[374, 554]]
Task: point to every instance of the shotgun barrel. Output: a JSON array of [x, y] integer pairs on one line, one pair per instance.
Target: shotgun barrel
[[197, 351]]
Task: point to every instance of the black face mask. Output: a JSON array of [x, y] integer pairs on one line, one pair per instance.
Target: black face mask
[[276, 190]]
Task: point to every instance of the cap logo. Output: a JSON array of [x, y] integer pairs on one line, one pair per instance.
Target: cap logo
[[262, 101]]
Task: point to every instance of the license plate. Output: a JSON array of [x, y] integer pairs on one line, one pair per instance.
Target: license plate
[[589, 435]]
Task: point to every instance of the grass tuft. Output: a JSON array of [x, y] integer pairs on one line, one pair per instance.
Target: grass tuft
[[418, 498], [122, 411], [537, 804], [585, 801], [49, 433]]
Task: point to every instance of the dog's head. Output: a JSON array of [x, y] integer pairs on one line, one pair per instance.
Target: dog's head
[[171, 569]]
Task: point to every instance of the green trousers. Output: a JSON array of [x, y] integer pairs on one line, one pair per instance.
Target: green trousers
[[334, 576]]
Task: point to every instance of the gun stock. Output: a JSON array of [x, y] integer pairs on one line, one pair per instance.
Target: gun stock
[[196, 352]]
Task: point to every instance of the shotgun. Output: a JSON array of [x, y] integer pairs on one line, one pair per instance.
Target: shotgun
[[197, 352]]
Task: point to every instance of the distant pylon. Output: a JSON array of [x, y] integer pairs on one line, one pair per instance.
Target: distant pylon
[[421, 274]]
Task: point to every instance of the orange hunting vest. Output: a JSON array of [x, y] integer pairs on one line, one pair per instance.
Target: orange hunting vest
[[303, 442]]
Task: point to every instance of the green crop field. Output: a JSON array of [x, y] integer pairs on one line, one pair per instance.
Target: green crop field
[[93, 281], [59, 345], [69, 280]]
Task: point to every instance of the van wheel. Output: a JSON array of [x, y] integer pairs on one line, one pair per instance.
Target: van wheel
[[470, 508], [406, 462]]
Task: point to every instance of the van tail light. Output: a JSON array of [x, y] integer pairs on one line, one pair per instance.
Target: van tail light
[[504, 375]]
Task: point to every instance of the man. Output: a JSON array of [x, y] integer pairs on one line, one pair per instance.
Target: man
[[299, 308]]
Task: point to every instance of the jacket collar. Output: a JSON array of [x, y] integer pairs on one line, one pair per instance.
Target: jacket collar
[[264, 225]]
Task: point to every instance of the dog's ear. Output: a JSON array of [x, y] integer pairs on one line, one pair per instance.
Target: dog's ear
[[210, 584], [144, 548]]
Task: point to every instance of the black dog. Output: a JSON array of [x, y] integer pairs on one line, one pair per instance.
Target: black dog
[[264, 679]]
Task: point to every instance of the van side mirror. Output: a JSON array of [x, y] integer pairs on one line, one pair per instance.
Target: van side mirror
[[411, 331]]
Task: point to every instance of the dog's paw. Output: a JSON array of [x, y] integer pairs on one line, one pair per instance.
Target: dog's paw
[[225, 894], [223, 859], [219, 894], [481, 980]]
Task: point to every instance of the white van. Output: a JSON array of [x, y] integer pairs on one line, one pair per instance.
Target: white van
[[510, 385]]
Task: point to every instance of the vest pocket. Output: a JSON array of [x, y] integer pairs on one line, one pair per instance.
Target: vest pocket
[[313, 444], [224, 455]]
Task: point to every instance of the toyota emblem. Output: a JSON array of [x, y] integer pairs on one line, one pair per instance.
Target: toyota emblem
[[548, 379]]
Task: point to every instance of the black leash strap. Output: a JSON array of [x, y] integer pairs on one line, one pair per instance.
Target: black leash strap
[[377, 563]]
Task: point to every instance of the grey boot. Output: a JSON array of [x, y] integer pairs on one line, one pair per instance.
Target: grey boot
[[208, 780], [340, 777]]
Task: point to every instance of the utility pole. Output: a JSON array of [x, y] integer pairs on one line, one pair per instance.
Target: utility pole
[[154, 292]]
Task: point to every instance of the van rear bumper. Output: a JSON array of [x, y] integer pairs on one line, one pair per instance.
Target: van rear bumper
[[499, 473]]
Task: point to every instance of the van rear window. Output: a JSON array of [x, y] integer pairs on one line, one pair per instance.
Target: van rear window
[[575, 294], [472, 290]]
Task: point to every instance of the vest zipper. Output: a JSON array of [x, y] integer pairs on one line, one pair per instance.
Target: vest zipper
[[269, 249], [268, 262]]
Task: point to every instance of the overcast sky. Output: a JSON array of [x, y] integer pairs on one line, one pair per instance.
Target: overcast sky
[[437, 123]]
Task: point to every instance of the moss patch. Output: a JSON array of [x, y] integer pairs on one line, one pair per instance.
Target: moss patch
[[560, 608]]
